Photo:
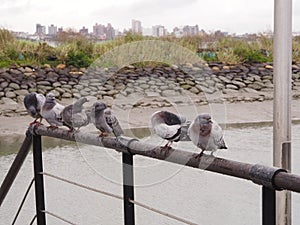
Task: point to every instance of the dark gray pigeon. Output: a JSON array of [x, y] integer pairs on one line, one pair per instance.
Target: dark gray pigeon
[[99, 120], [167, 125], [51, 111], [206, 134], [33, 103], [73, 116], [113, 122]]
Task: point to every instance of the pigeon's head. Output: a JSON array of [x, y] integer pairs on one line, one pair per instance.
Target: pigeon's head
[[204, 119], [32, 111], [50, 97], [99, 106]]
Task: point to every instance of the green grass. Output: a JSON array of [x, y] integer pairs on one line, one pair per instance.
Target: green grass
[[77, 51]]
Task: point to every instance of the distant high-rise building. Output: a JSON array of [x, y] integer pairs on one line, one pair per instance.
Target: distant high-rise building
[[99, 30], [104, 32], [52, 30], [84, 31], [159, 31], [178, 32], [136, 26], [40, 30], [60, 30], [190, 30], [110, 32]]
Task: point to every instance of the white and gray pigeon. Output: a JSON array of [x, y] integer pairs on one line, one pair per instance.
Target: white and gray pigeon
[[51, 111], [206, 134], [33, 103], [167, 125], [99, 120], [73, 116], [113, 122]]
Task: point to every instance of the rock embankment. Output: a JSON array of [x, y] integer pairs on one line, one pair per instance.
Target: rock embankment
[[245, 82]]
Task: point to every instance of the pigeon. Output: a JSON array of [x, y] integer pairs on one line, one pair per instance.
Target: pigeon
[[51, 111], [99, 120], [33, 103], [206, 134], [73, 115], [167, 125], [113, 122]]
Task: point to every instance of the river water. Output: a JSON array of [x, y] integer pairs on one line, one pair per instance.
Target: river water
[[198, 196]]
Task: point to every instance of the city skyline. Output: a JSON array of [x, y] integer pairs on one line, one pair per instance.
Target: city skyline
[[107, 32], [233, 16]]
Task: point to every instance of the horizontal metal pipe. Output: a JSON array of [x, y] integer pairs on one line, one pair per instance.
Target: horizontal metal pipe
[[281, 180]]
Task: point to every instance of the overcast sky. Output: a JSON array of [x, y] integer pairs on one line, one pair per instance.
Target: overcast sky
[[234, 16]]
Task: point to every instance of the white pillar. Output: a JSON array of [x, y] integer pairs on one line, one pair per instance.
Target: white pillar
[[282, 101]]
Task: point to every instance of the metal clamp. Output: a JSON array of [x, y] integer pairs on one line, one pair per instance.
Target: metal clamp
[[264, 175]]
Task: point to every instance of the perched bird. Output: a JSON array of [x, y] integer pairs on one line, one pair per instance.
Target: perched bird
[[167, 125], [99, 120], [33, 103], [206, 134], [51, 111], [113, 122], [73, 115]]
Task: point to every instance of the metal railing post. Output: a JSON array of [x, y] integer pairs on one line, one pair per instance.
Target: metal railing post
[[39, 180], [15, 167], [268, 206], [128, 188]]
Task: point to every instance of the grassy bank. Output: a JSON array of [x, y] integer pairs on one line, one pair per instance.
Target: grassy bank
[[76, 50]]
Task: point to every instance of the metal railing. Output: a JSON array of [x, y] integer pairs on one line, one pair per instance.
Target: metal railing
[[272, 179]]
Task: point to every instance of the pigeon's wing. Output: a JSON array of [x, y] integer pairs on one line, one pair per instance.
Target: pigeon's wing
[[217, 136], [79, 119], [167, 132], [30, 103], [57, 109], [40, 101], [113, 122], [66, 115], [101, 124]]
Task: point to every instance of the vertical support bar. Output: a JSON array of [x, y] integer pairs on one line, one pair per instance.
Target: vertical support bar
[[282, 100], [268, 206], [128, 188], [39, 180], [15, 167]]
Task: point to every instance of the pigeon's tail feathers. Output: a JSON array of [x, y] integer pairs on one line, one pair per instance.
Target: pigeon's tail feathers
[[217, 135], [182, 119]]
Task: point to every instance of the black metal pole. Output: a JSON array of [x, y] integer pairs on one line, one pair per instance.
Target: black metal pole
[[268, 206], [128, 188], [15, 167], [39, 180]]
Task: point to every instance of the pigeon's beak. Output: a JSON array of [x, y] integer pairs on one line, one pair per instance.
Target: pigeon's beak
[[205, 121]]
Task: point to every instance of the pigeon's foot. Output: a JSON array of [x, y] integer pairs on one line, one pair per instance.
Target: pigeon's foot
[[103, 134], [71, 130], [198, 157], [166, 149], [36, 123], [52, 127]]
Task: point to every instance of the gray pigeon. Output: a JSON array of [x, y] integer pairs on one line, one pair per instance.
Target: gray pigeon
[[99, 120], [206, 134], [167, 125], [73, 115], [33, 103], [113, 122], [51, 111]]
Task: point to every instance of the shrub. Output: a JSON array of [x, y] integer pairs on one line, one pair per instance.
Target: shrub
[[78, 59]]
